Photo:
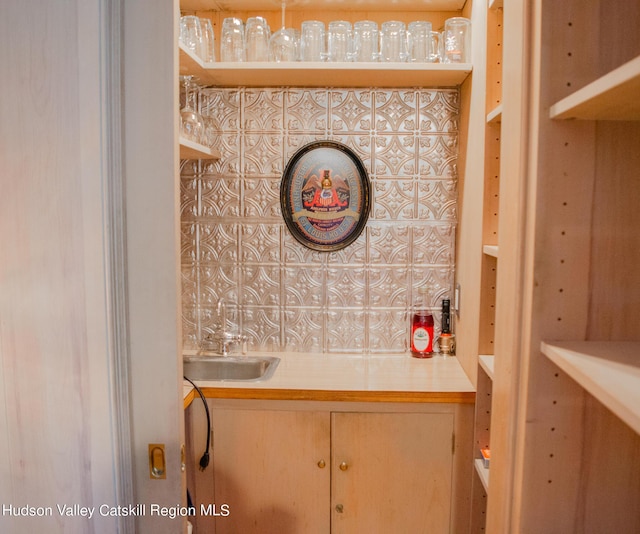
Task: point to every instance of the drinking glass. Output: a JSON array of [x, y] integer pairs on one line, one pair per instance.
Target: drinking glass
[[296, 38], [393, 41], [312, 37], [191, 124], [210, 125], [257, 39], [191, 34], [339, 41], [457, 40], [365, 41], [419, 40], [208, 41], [282, 44], [232, 40], [436, 52]]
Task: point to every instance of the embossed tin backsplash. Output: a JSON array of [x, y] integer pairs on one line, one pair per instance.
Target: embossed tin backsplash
[[283, 296]]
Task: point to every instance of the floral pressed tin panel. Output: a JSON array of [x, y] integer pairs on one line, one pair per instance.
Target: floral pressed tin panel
[[284, 296]]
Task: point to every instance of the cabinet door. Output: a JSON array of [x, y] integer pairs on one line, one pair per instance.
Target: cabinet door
[[272, 468], [391, 472]]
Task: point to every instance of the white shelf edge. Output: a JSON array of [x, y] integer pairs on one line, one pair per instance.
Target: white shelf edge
[[322, 74], [490, 250], [483, 473], [608, 370], [613, 96], [487, 362], [192, 150], [495, 115]]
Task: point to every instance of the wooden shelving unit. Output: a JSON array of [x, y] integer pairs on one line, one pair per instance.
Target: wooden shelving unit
[[566, 392], [490, 264]]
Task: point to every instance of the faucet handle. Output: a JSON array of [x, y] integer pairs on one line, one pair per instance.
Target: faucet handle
[[227, 339]]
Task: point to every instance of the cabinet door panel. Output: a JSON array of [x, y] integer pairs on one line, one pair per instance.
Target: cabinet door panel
[[265, 467], [391, 472]]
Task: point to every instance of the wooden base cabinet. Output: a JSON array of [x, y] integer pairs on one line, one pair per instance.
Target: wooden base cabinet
[[295, 470]]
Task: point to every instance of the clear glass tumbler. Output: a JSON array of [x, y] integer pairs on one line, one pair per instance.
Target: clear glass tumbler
[[312, 36], [436, 51], [208, 41], [457, 40], [257, 36], [191, 34], [419, 40], [365, 41], [232, 47], [393, 41], [339, 41]]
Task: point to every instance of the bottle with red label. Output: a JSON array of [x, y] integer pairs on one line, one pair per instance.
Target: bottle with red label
[[422, 329]]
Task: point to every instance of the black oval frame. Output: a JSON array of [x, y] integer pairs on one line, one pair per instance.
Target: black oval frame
[[290, 177]]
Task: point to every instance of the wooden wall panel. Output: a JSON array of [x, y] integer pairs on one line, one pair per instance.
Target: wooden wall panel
[[614, 304], [150, 70]]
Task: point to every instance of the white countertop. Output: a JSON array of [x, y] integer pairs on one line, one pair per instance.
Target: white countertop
[[352, 377]]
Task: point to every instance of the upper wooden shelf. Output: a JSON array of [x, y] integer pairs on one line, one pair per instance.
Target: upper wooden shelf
[[321, 74], [323, 5], [496, 4], [614, 96], [610, 371], [192, 150]]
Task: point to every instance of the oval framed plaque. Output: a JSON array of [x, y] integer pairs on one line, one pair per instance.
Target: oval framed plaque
[[325, 196]]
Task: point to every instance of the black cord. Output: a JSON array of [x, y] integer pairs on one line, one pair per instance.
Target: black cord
[[204, 461]]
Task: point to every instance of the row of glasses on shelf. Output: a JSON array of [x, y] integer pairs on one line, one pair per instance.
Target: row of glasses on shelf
[[342, 41], [196, 124], [339, 41]]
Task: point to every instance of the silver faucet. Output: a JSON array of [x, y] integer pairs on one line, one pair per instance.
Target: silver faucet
[[223, 338]]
